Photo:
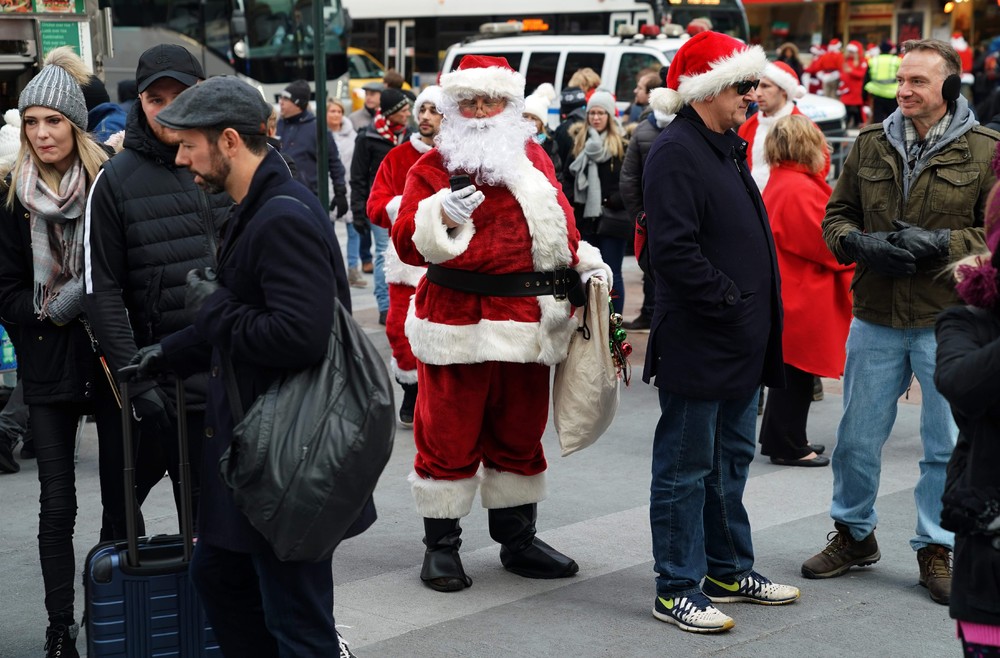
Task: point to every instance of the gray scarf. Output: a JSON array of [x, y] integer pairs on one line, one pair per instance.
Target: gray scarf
[[587, 187]]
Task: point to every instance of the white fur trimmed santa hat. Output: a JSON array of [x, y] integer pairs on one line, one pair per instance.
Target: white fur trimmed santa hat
[[483, 75], [784, 76], [704, 66], [431, 94]]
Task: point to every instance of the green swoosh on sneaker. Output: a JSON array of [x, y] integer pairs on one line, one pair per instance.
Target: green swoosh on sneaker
[[667, 603], [729, 588]]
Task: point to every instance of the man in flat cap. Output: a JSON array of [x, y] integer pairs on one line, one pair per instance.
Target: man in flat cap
[[269, 310], [362, 117], [138, 249]]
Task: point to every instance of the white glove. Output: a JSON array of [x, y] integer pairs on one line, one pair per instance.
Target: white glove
[[392, 208], [460, 204]]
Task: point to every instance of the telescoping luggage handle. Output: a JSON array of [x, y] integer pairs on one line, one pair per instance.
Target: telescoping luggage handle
[[131, 505]]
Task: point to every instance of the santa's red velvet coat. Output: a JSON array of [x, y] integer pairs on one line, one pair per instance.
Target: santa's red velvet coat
[[483, 360], [816, 289], [383, 206]]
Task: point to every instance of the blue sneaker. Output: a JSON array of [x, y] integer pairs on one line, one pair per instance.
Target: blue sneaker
[[753, 588], [693, 613]]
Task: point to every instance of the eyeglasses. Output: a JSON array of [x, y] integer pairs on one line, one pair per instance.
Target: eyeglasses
[[488, 104], [744, 87]]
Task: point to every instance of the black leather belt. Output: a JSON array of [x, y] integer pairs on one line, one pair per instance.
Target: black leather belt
[[563, 283]]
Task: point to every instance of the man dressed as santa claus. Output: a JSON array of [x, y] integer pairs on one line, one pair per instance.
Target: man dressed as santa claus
[[383, 207], [504, 260]]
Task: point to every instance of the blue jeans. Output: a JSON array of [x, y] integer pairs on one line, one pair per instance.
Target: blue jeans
[[353, 247], [702, 451], [260, 606], [613, 253], [880, 361], [381, 238]]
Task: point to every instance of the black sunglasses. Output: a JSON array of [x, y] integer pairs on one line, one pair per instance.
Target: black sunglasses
[[744, 87]]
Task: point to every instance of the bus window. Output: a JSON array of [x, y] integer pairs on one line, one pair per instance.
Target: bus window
[[541, 68], [514, 59], [577, 61], [628, 70]]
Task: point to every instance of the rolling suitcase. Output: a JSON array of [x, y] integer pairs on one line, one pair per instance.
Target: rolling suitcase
[[139, 599]]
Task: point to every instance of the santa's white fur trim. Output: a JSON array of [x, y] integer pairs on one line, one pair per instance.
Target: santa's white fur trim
[[431, 237], [746, 64], [503, 489], [396, 271], [545, 217], [392, 208], [489, 81], [402, 376], [443, 499]]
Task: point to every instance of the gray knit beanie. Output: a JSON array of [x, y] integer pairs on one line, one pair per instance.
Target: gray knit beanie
[[57, 86]]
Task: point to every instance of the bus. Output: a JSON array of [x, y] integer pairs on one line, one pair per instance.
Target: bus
[[412, 36], [268, 43], [29, 29]]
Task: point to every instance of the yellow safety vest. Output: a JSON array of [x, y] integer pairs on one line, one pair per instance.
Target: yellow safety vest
[[882, 71]]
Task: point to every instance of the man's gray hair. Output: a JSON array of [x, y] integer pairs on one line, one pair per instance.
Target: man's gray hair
[[952, 62]]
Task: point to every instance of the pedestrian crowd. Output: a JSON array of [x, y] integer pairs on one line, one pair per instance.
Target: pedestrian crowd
[[182, 236]]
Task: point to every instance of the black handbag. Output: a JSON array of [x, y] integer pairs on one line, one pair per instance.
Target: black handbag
[[615, 223], [305, 458]]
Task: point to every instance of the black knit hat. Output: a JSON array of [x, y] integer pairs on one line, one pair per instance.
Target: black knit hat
[[392, 101], [298, 92], [94, 93]]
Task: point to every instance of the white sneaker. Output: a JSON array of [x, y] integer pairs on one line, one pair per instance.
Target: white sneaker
[[693, 613], [753, 588]]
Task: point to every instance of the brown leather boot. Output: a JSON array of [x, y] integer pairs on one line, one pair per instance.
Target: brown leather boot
[[842, 553], [935, 571]]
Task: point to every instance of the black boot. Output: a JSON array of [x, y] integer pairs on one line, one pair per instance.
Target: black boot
[[409, 402], [442, 570], [523, 553], [60, 641]]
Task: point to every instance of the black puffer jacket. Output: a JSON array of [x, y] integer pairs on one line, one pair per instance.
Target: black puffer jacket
[[370, 148], [55, 363], [630, 183], [148, 224], [968, 376]]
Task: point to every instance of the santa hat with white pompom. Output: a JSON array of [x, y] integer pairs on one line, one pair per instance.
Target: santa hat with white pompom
[[704, 66]]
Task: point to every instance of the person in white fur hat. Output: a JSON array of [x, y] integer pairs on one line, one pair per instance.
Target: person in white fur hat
[[491, 316], [715, 338], [536, 109], [383, 207], [776, 94], [10, 140]]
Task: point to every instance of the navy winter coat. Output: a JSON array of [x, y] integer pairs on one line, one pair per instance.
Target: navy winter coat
[[298, 142], [716, 331], [280, 268]]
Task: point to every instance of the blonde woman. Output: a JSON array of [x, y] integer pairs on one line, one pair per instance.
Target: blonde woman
[[41, 302], [595, 168], [344, 135]]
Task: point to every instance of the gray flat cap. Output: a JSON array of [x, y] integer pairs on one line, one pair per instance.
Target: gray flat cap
[[224, 102], [374, 86]]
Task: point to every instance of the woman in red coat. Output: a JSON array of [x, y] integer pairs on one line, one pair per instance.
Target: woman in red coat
[[815, 289]]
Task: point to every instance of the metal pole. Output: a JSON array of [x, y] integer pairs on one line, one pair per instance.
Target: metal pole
[[319, 76]]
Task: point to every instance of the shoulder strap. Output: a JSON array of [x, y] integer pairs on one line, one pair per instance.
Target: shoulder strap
[[236, 407]]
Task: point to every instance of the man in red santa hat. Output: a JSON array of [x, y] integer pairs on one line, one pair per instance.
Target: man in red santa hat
[[776, 94], [485, 213], [383, 207]]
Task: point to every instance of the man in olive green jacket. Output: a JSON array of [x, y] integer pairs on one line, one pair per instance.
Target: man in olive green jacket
[[910, 200]]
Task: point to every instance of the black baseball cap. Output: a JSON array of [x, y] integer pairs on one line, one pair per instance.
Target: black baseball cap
[[168, 61]]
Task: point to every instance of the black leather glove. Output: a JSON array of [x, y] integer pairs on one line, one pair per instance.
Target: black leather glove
[[361, 225], [150, 361], [878, 254], [339, 202], [153, 411], [921, 242], [201, 283]]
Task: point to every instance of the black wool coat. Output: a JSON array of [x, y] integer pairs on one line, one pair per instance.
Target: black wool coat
[[716, 328]]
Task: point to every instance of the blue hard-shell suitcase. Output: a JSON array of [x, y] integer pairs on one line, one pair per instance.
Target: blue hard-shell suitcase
[[139, 599]]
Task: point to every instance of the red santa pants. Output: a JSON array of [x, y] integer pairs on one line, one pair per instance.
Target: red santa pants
[[404, 366], [492, 413]]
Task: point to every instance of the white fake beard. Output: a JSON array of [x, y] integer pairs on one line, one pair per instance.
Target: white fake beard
[[488, 149]]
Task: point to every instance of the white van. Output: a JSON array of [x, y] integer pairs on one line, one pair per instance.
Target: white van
[[554, 59]]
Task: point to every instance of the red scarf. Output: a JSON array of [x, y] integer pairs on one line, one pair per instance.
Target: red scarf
[[390, 131]]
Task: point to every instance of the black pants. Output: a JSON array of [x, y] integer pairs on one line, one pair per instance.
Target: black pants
[[54, 429], [648, 294], [783, 428]]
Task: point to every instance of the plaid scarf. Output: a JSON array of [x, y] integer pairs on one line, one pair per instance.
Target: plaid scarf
[[390, 131], [915, 147], [56, 229]]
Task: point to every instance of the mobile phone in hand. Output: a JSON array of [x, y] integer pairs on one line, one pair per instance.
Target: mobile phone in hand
[[459, 182]]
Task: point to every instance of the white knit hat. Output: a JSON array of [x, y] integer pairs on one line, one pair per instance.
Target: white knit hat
[[603, 99], [704, 66], [57, 86], [10, 139], [784, 76], [537, 104]]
